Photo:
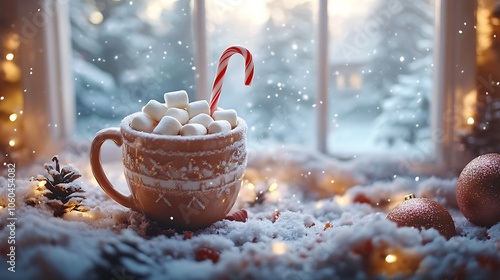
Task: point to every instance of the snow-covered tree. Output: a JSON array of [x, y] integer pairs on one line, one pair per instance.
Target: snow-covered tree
[[402, 68], [129, 57], [283, 90]]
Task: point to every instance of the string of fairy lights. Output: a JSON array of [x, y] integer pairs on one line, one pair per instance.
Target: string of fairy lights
[[11, 95]]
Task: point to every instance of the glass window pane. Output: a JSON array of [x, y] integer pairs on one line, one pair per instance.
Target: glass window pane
[[381, 76], [278, 107], [126, 53]]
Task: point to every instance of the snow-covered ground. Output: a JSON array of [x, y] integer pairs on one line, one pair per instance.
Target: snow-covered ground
[[331, 225]]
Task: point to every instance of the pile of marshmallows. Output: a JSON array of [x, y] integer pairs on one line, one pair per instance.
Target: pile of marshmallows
[[179, 117]]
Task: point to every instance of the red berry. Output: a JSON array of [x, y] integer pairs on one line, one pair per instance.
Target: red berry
[[276, 215], [187, 235], [363, 248], [362, 198], [239, 216], [206, 254]]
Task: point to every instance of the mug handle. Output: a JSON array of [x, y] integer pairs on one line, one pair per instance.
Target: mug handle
[[114, 134]]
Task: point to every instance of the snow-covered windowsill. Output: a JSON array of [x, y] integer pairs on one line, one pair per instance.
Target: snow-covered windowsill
[[310, 216], [323, 219]]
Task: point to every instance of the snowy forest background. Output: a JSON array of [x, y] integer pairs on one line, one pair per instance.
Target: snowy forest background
[[128, 52]]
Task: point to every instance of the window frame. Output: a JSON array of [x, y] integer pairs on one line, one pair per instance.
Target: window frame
[[48, 107], [454, 51], [451, 53]]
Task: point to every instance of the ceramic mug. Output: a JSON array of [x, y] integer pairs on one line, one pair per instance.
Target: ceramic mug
[[183, 182]]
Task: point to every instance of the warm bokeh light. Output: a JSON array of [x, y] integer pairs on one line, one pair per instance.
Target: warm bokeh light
[[470, 121], [341, 200], [391, 258], [96, 17], [12, 143], [155, 9], [86, 215], [13, 117], [319, 204], [273, 187], [279, 248], [9, 56], [12, 41], [251, 186], [80, 214], [11, 71]]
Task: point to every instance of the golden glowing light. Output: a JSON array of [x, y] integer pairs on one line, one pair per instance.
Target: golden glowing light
[[470, 121], [341, 200], [42, 183], [12, 143], [251, 186], [391, 258], [279, 248], [11, 71], [273, 187], [80, 214], [155, 9], [86, 214], [13, 117], [319, 205], [9, 56], [96, 17], [12, 41]]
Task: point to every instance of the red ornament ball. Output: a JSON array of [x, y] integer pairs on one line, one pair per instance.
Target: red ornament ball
[[478, 190], [423, 213]]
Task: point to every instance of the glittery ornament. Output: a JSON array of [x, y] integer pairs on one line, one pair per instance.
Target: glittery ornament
[[423, 213], [478, 190]]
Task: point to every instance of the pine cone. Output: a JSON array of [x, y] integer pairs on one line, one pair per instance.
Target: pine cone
[[124, 258], [63, 194]]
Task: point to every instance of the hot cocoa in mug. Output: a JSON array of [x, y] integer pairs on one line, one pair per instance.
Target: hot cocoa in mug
[[183, 182]]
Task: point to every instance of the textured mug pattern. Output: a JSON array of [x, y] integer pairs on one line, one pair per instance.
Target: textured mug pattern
[[183, 182]]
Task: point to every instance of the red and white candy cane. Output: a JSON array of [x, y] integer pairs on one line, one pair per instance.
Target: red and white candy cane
[[221, 71]]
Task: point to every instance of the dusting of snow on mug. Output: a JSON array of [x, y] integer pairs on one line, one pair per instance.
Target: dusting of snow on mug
[[183, 161]]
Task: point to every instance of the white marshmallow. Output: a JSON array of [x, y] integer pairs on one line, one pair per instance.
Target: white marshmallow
[[203, 119], [177, 99], [193, 129], [228, 115], [198, 107], [155, 110], [181, 115], [219, 126], [142, 122], [168, 126]]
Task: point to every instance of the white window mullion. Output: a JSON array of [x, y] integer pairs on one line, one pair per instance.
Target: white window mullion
[[322, 74], [49, 109]]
